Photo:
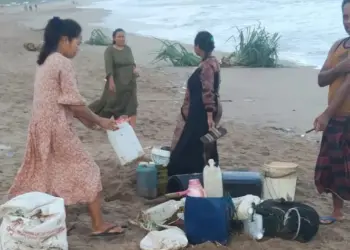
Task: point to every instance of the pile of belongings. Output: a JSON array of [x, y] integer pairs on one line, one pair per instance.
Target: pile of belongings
[[288, 220]]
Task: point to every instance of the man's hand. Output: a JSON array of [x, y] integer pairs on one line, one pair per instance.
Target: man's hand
[[343, 66]]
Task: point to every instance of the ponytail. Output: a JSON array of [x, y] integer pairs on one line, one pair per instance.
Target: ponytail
[[44, 53]]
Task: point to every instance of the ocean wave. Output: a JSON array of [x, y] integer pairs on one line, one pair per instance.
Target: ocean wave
[[306, 37]]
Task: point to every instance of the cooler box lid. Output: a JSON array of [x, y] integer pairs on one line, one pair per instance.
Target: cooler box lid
[[241, 177]]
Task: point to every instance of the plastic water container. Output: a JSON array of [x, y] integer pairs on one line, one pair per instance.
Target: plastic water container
[[254, 227], [160, 156], [146, 180], [212, 178], [195, 189], [280, 179], [125, 143]]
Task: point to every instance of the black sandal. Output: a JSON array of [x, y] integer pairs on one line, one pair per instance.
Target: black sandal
[[108, 232]]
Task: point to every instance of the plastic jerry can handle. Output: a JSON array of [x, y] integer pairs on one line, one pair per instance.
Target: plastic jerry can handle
[[211, 163]]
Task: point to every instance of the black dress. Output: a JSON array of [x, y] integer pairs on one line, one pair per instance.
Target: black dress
[[190, 154]]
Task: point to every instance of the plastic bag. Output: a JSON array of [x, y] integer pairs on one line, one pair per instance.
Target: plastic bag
[[169, 239], [33, 221], [155, 217]]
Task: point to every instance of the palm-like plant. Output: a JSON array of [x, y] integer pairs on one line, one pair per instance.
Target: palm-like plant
[[99, 38], [256, 47], [177, 54]]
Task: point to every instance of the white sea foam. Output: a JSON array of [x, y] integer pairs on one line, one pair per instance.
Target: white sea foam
[[308, 28]]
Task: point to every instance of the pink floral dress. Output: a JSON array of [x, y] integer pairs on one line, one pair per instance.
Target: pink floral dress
[[54, 160]]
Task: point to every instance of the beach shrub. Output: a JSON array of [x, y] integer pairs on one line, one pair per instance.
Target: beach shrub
[[175, 53], [255, 47], [98, 38]]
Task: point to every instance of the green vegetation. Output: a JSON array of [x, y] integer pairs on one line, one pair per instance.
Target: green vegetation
[[98, 38], [256, 48], [177, 54]]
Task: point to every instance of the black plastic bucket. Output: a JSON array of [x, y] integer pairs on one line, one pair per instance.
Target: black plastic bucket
[[177, 183]]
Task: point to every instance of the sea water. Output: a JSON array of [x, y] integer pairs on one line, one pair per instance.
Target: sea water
[[308, 27]]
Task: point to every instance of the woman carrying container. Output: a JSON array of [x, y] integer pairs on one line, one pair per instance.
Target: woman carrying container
[[55, 161], [200, 112]]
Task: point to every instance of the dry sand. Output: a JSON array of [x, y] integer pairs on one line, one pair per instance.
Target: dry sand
[[263, 101]]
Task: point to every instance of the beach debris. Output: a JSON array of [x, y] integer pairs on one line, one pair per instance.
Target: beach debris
[[32, 46], [285, 130], [248, 100], [265, 151], [226, 61], [98, 38], [7, 150], [4, 147], [175, 53], [40, 29]]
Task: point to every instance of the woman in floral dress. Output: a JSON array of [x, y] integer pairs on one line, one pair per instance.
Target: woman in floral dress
[[55, 161]]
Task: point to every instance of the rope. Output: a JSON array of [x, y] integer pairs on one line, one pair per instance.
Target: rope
[[286, 217]]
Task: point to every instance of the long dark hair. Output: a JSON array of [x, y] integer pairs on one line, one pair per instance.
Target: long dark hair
[[205, 41], [344, 2], [54, 30], [116, 32]]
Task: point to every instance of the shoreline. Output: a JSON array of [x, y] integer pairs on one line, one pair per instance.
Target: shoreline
[[283, 63], [98, 23]]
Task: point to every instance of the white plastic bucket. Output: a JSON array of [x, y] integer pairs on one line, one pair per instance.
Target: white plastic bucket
[[280, 179]]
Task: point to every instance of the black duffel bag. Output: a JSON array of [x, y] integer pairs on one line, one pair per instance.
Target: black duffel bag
[[288, 220]]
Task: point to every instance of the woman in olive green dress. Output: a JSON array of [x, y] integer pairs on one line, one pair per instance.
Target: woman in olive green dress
[[119, 97]]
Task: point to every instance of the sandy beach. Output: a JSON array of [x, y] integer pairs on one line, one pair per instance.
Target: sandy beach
[[268, 111]]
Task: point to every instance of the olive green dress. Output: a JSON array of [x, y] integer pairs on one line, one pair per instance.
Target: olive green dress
[[119, 64]]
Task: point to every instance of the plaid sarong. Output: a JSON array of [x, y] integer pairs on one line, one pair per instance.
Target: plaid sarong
[[332, 172]]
